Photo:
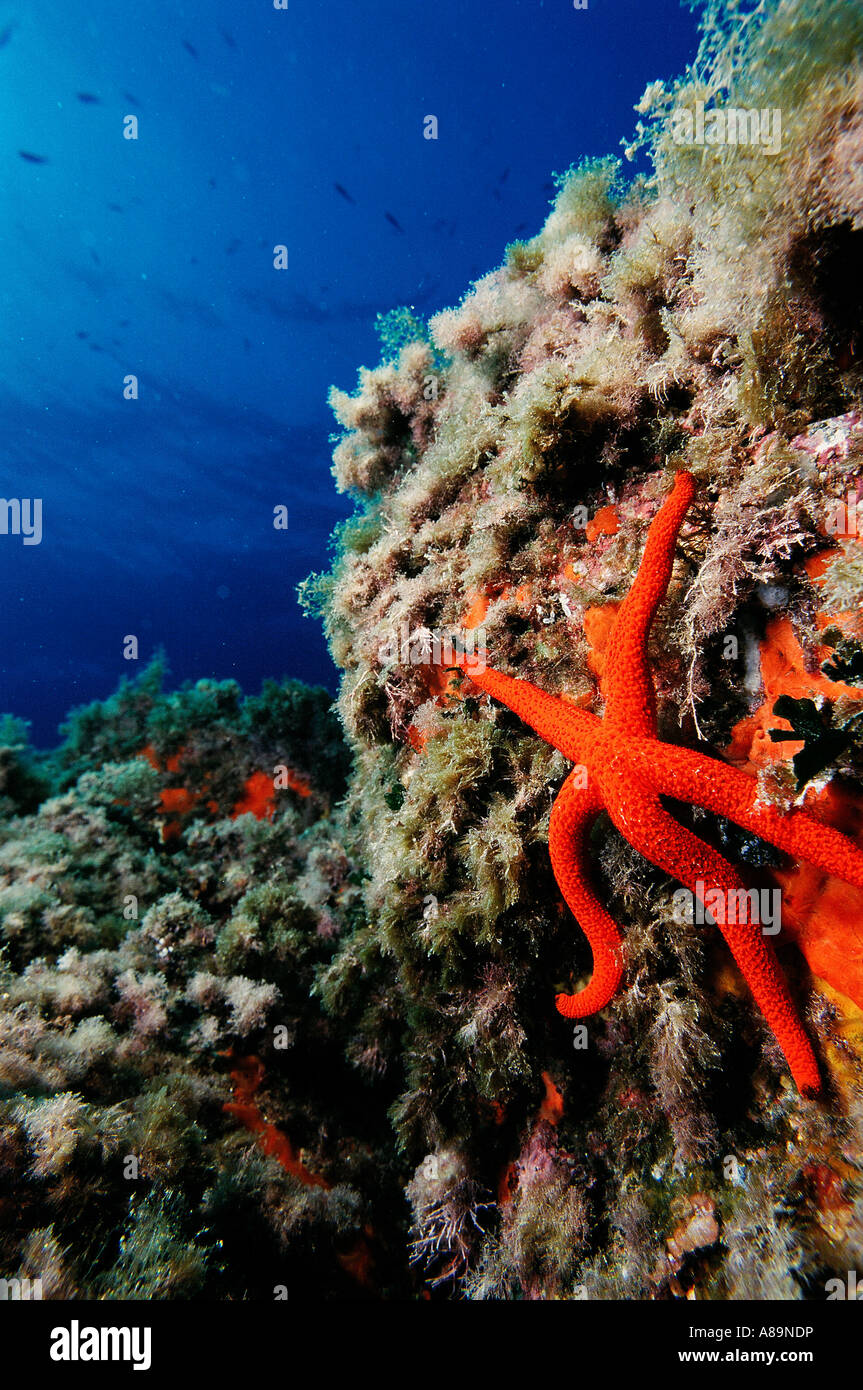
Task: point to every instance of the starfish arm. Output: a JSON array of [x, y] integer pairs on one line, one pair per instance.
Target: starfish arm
[[631, 699], [573, 814], [690, 776], [556, 720], [638, 814]]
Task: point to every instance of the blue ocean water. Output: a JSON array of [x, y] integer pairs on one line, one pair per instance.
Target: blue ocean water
[[153, 257]]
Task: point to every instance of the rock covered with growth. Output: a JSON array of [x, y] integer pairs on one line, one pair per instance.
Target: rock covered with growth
[[505, 464], [180, 1116]]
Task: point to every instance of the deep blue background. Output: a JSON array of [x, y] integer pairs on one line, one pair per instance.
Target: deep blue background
[[158, 513]]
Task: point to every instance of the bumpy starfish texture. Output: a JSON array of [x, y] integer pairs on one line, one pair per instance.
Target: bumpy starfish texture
[[623, 767]]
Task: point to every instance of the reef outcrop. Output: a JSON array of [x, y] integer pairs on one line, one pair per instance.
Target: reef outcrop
[[505, 462]]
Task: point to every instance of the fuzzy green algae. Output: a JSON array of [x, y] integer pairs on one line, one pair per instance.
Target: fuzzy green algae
[[312, 1049], [154, 934], [705, 318]]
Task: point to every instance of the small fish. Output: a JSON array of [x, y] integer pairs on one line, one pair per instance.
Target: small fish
[[189, 49], [95, 256], [127, 96], [229, 39], [344, 193], [82, 333], [88, 99], [211, 183], [6, 35], [114, 207], [33, 158], [233, 245], [504, 176], [393, 223], [94, 347]]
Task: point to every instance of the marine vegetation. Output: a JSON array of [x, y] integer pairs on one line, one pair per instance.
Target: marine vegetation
[[701, 319], [166, 911], [275, 1005]]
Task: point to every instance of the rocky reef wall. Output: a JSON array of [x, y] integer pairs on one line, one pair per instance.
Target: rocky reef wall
[[505, 463]]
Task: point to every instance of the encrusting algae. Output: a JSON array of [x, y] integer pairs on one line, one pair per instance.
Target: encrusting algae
[[328, 1039]]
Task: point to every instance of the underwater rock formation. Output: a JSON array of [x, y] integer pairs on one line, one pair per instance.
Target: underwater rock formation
[[505, 464], [179, 1115]]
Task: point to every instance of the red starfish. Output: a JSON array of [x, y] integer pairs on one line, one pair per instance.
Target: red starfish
[[624, 767]]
